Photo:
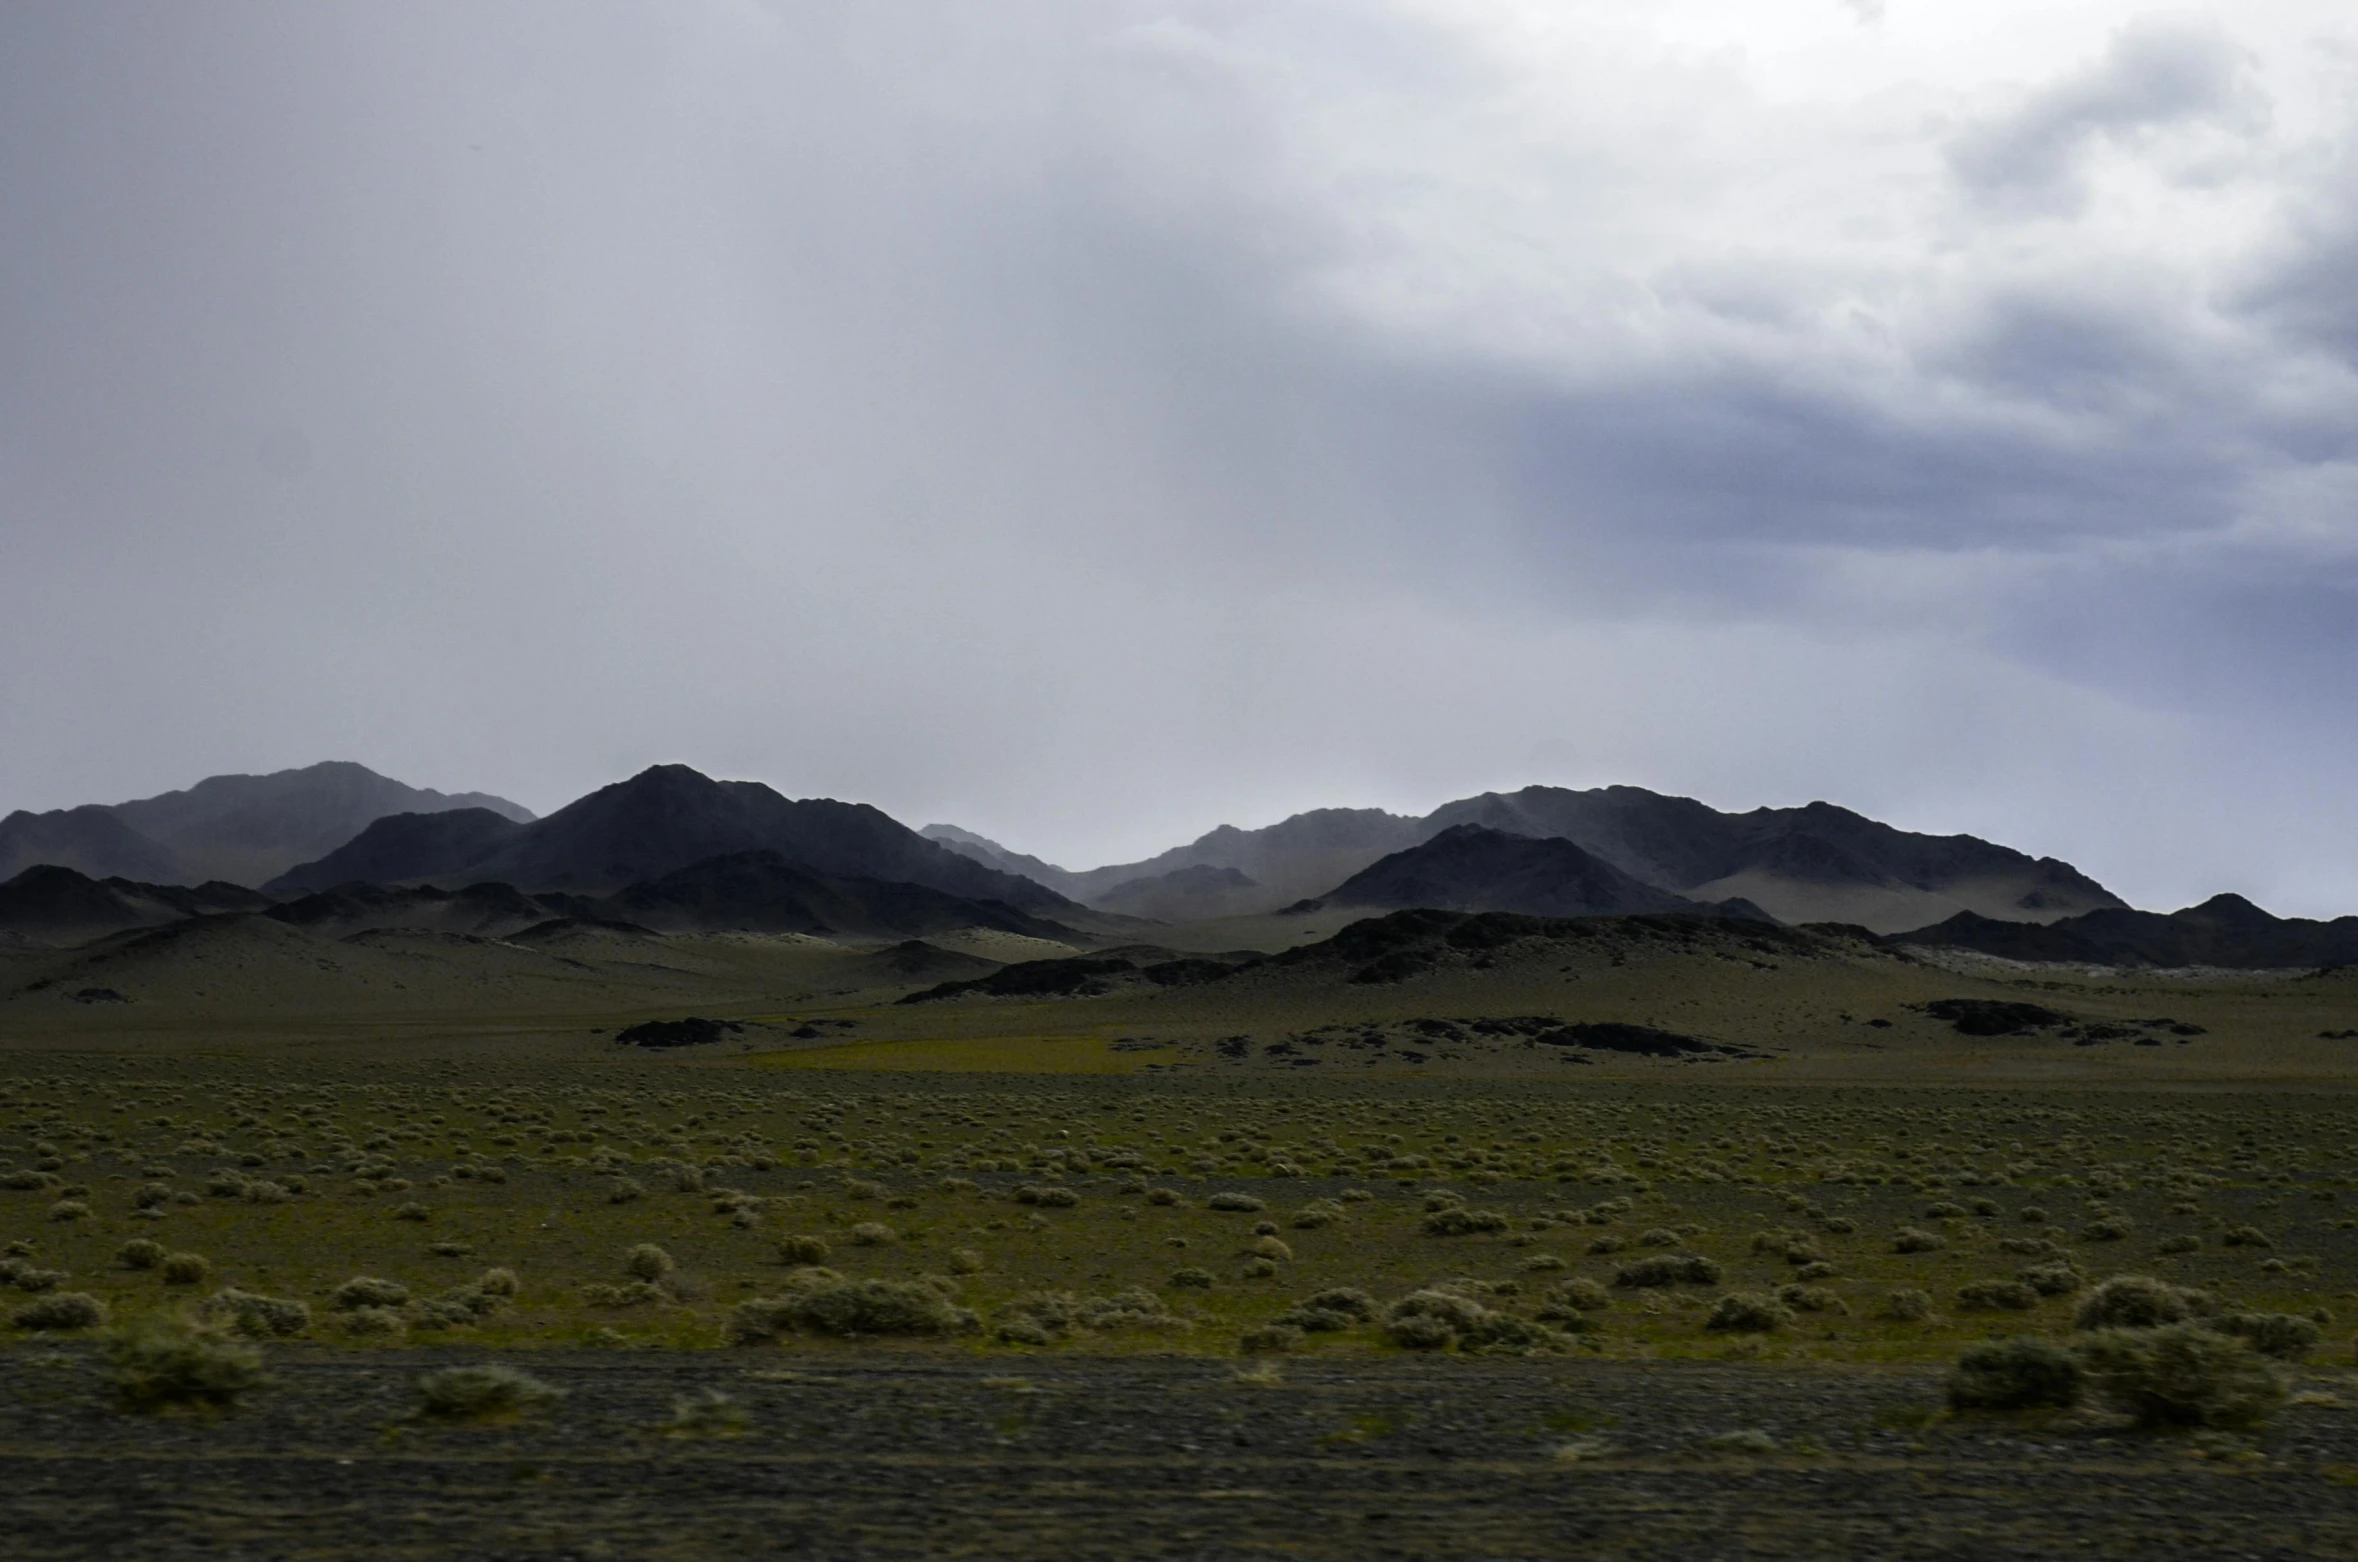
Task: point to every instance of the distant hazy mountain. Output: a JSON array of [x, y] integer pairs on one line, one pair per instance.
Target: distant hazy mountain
[[1186, 895], [670, 817], [241, 829], [1471, 868], [2226, 930], [1818, 863], [402, 847]]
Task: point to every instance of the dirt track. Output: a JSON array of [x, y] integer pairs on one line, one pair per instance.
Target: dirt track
[[869, 1455]]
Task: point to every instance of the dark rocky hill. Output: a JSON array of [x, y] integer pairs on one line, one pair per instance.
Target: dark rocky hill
[[403, 847], [54, 905], [1471, 868], [764, 892], [669, 817], [2226, 930]]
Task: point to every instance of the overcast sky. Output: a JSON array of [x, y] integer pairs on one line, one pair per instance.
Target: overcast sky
[[1092, 422]]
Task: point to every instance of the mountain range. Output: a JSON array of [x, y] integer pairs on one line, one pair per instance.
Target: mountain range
[[672, 850], [1817, 863], [237, 829]]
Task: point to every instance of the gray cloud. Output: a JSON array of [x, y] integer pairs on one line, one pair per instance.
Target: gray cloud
[[1092, 423]]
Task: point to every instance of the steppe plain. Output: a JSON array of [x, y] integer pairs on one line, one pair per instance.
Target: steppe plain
[[1117, 1200]]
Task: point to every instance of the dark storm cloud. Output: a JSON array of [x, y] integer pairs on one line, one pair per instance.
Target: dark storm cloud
[[1089, 423]]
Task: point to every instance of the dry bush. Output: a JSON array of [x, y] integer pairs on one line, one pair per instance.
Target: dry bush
[[2139, 1302], [2244, 1236], [1746, 1312], [2171, 1246], [1271, 1339], [258, 1317], [1330, 1311], [1668, 1269], [1234, 1203], [1043, 1317], [1914, 1239], [2017, 1374], [647, 1262], [2051, 1279], [1811, 1299], [1907, 1305], [159, 1363], [185, 1268], [2183, 1375], [140, 1253], [1190, 1278], [804, 1250], [368, 1291], [821, 1302], [872, 1233], [2284, 1336], [61, 1310], [482, 1393]]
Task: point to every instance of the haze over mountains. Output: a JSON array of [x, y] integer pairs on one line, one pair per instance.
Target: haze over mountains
[[239, 829], [673, 851], [1817, 863]]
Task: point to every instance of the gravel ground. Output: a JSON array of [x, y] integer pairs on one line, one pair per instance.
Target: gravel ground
[[890, 1454]]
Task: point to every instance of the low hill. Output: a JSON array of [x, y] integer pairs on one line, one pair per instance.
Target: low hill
[[762, 891], [1471, 868], [50, 905], [400, 848], [2226, 931]]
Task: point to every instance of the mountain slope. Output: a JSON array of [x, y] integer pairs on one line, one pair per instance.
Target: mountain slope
[[243, 829], [669, 817], [2225, 930], [763, 892], [400, 847], [1471, 869], [49, 904], [1817, 863], [90, 839]]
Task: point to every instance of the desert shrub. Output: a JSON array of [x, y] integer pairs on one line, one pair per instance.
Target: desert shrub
[[1258, 1269], [412, 1212], [1270, 1247], [1322, 1212], [804, 1250], [70, 1209], [1190, 1278], [1840, 1225], [1668, 1269], [622, 1190], [483, 1393], [1945, 1211], [2051, 1279], [1907, 1305], [2111, 1228], [966, 1261], [140, 1253], [1040, 1317], [2285, 1336], [633, 1293], [2244, 1236], [61, 1310], [158, 1363], [1235, 1203], [1997, 1296], [1818, 1269], [647, 1262], [1582, 1293], [258, 1317], [2181, 1244], [1330, 1311], [374, 1322], [2183, 1375], [185, 1268], [2138, 1302], [2031, 1214], [1047, 1196], [859, 1188], [1458, 1221], [30, 1277], [499, 1282], [1432, 1319], [1914, 1239], [1659, 1236], [1503, 1335], [368, 1291], [872, 1233], [1746, 1312], [1811, 1299], [820, 1302], [2016, 1374], [1162, 1196], [1271, 1339]]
